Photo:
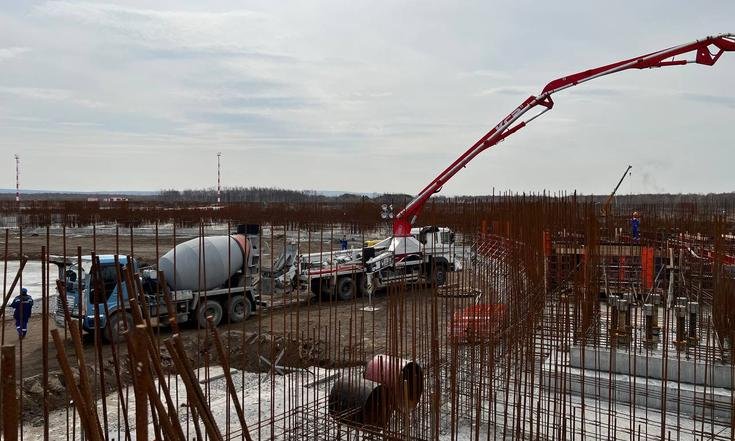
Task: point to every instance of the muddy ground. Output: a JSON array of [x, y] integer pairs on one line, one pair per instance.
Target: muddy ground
[[314, 333]]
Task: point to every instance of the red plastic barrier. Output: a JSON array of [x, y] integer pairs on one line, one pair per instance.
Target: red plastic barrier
[[477, 323]]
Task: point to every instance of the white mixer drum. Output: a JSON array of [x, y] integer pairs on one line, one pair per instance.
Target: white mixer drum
[[210, 272]]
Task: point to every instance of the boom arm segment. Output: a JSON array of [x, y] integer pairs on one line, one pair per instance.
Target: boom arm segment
[[707, 52]]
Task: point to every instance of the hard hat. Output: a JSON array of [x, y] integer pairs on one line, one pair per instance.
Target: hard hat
[[23, 291]]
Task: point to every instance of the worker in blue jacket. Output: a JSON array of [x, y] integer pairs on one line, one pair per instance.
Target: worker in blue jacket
[[635, 225], [22, 305]]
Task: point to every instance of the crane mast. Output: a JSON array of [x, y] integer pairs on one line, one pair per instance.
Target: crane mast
[[606, 207], [706, 51]]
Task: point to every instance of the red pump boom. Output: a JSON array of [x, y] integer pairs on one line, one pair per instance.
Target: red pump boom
[[706, 51]]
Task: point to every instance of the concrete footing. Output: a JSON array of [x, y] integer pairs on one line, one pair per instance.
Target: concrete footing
[[689, 388], [653, 365]]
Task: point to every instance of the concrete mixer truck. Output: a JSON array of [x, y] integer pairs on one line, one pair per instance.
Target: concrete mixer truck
[[205, 276]]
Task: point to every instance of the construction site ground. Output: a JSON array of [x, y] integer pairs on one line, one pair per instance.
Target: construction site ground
[[252, 346]]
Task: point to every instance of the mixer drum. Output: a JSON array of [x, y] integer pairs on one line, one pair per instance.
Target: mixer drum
[[210, 272]]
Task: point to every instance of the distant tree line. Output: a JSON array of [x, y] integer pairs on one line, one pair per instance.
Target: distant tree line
[[263, 195], [279, 195]]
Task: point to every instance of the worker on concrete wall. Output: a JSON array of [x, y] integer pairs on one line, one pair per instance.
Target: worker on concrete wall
[[22, 305], [635, 224], [343, 242]]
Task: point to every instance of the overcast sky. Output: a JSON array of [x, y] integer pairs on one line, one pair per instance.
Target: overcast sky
[[358, 96]]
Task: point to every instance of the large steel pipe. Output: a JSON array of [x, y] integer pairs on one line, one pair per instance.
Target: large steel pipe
[[403, 379], [356, 401]]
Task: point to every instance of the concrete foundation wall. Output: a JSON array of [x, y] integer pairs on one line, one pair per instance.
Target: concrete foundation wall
[[651, 366], [704, 402]]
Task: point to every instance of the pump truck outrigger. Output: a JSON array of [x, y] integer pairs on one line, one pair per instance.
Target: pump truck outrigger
[[224, 291], [706, 51]]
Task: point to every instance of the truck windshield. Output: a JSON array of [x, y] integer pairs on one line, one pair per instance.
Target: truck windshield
[[108, 282], [446, 237]]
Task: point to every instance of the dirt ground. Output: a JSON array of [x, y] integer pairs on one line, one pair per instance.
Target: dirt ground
[[148, 247], [315, 333], [370, 330]]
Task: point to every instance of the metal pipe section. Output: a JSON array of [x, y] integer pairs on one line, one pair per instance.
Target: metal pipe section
[[357, 401], [403, 380]]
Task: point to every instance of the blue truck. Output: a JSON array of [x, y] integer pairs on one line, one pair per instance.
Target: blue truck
[[205, 276]]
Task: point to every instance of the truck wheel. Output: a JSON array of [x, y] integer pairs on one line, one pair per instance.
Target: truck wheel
[[321, 289], [315, 287], [346, 288], [238, 309], [206, 309], [115, 327], [440, 275]]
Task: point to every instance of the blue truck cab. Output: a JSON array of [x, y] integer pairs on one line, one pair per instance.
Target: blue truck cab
[[114, 307], [80, 295]]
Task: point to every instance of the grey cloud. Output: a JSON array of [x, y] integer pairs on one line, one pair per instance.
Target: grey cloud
[[7, 53], [177, 33], [193, 52], [485, 74], [586, 90], [267, 102], [37, 93], [46, 94], [720, 100], [509, 90]]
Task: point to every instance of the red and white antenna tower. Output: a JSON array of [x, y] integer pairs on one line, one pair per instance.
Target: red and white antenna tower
[[17, 178], [218, 177]]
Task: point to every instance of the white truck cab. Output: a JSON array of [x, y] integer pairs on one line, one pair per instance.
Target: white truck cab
[[427, 254]]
